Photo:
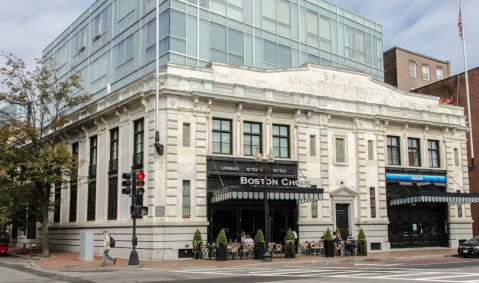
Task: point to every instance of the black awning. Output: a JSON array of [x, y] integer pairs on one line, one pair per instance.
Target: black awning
[[301, 195], [434, 197]]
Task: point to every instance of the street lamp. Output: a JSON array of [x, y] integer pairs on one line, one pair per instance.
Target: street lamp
[[265, 174]]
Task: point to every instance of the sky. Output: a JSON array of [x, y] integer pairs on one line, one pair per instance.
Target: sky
[[428, 27]]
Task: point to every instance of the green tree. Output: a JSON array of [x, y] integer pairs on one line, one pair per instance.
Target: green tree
[[33, 155]]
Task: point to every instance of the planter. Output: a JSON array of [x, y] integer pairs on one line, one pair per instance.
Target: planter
[[258, 250], [289, 250], [221, 255], [362, 248], [329, 248], [196, 251]]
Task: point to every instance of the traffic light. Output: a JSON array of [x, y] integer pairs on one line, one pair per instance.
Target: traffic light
[[140, 184], [126, 183]]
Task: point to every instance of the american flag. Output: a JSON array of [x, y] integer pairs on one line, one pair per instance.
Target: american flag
[[460, 23]]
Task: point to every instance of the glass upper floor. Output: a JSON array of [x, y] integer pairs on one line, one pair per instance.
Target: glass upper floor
[[114, 41]]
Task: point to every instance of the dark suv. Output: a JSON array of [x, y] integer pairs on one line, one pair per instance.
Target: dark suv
[[469, 248]]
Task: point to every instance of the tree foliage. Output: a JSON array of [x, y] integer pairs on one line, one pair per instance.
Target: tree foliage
[[259, 237], [33, 151], [221, 237], [328, 236]]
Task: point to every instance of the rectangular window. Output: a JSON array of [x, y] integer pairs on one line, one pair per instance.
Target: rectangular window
[[150, 41], [412, 69], [79, 47], [221, 136], [433, 154], [58, 198], [340, 149], [251, 138], [126, 13], [99, 70], [113, 150], [439, 74], [414, 152], [32, 229], [138, 143], [281, 141], [425, 73], [456, 157], [370, 150], [312, 145], [99, 31], [186, 135], [314, 209], [125, 57], [91, 201], [14, 232], [459, 207], [112, 197], [372, 198], [186, 198], [394, 151], [73, 187], [93, 156]]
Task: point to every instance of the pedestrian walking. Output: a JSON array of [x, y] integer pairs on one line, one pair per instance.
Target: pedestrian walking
[[106, 249]]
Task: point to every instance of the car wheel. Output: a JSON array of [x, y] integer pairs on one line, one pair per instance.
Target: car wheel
[[465, 256]]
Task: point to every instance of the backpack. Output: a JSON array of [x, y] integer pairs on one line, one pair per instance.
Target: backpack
[[112, 242]]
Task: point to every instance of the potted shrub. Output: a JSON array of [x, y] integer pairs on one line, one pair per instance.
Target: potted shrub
[[259, 245], [289, 244], [362, 243], [221, 246], [197, 241], [339, 234], [328, 244]]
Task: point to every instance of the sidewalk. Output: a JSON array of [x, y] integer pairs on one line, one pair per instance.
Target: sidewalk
[[68, 261]]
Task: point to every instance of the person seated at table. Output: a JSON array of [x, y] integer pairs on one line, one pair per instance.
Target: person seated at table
[[322, 238], [351, 244], [249, 240], [243, 236], [336, 238]]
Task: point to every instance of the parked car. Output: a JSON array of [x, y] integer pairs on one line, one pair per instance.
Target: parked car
[[469, 248], [3, 249]]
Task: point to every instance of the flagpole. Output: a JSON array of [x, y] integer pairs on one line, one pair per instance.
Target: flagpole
[[158, 146], [473, 164]]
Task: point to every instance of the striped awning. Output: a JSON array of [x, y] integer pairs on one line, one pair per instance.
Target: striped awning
[[301, 195], [435, 197]]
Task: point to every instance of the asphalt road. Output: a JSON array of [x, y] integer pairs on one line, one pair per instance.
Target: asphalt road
[[15, 270]]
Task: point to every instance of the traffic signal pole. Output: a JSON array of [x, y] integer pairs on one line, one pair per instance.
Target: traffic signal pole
[[133, 261]]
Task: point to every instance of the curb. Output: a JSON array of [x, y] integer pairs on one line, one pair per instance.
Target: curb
[[280, 263]]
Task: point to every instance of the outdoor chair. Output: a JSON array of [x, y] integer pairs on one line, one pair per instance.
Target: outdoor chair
[[204, 252], [278, 251], [234, 252], [314, 249], [304, 247]]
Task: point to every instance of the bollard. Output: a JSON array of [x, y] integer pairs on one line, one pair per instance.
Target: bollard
[[33, 250]]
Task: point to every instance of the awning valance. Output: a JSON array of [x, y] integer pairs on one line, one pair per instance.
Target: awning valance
[[435, 197], [301, 195]]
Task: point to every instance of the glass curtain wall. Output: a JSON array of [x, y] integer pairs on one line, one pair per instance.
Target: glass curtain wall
[[113, 43]]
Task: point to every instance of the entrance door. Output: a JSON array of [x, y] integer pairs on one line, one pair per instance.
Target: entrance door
[[342, 219]]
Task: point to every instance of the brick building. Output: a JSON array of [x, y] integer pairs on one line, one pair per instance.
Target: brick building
[[408, 70], [453, 91]]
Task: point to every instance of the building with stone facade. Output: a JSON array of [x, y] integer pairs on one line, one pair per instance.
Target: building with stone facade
[[351, 151], [408, 70]]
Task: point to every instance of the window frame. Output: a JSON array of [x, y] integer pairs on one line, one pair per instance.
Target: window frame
[[91, 202], [58, 207], [186, 135], [186, 198], [412, 70], [72, 216], [314, 209], [277, 152], [344, 138], [413, 149], [370, 150], [425, 71], [112, 198], [372, 201], [390, 147], [251, 134], [312, 145], [93, 156], [113, 164], [439, 74], [136, 134], [124, 61], [431, 151], [222, 132]]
